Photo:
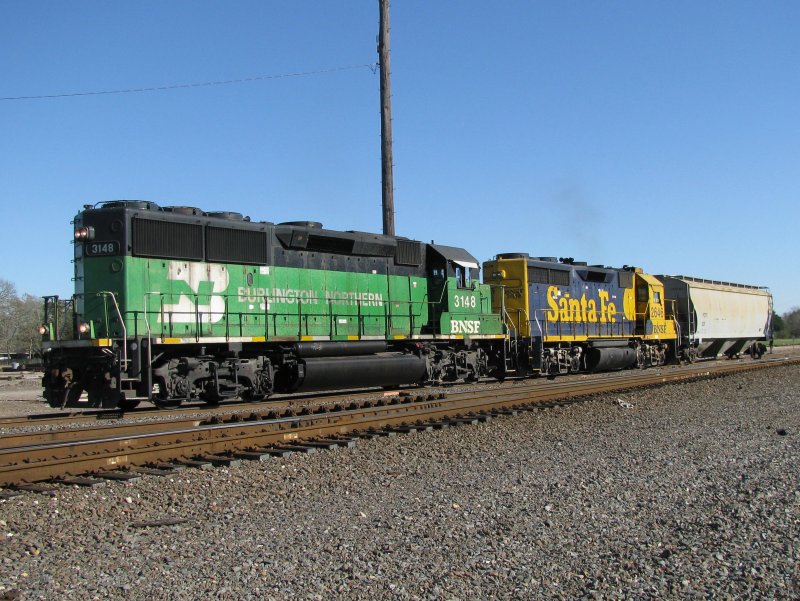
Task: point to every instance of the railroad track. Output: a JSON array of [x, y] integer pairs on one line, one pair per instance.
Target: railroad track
[[128, 450], [89, 416], [54, 419]]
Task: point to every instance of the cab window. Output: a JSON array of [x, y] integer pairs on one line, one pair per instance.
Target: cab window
[[657, 298]]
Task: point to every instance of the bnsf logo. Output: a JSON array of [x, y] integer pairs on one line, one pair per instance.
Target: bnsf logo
[[465, 327]]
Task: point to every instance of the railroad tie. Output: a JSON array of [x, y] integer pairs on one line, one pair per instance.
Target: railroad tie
[[371, 434], [300, 448], [197, 464], [221, 460], [329, 443], [437, 425], [347, 443], [167, 467], [118, 476], [409, 429], [87, 482], [505, 412], [253, 455], [150, 471], [45, 488]]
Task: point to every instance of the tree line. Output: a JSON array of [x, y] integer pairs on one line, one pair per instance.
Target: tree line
[[788, 324], [20, 317]]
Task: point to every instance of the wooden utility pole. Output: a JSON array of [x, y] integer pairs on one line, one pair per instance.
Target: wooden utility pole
[[387, 193]]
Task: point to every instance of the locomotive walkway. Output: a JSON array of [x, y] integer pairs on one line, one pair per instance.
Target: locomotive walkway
[[86, 456]]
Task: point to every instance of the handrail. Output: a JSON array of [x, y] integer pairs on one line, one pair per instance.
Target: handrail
[[616, 328], [301, 313], [149, 338], [182, 315], [105, 294]]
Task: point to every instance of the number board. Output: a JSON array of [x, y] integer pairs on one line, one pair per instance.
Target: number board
[[99, 249]]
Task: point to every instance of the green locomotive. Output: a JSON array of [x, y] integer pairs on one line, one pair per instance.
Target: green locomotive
[[175, 303]]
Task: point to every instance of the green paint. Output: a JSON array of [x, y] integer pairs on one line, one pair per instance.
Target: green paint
[[219, 300]]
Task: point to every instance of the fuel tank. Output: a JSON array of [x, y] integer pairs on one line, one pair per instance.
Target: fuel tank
[[385, 369], [339, 348], [605, 359]]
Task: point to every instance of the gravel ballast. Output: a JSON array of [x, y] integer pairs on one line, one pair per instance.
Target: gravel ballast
[[693, 491]]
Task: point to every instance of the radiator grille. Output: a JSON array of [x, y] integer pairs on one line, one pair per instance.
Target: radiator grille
[[559, 278], [227, 245], [167, 239], [408, 253]]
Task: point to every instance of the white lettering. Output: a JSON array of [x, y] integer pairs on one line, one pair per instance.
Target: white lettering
[[465, 326]]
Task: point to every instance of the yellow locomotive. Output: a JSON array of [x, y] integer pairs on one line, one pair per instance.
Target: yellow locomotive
[[566, 316]]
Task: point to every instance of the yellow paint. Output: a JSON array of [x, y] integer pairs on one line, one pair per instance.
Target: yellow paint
[[512, 275], [306, 338], [172, 341], [102, 342], [651, 307], [352, 337], [573, 310], [259, 339], [399, 337]]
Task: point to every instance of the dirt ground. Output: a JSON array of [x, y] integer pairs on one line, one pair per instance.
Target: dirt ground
[[21, 394]]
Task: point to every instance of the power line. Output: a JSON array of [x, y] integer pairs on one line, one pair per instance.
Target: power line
[[371, 67]]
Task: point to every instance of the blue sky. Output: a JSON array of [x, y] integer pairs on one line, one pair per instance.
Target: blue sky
[[661, 134]]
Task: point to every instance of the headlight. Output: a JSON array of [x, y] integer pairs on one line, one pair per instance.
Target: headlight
[[42, 329], [85, 232], [83, 328]]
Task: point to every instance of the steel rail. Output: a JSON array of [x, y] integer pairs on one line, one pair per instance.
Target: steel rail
[[288, 408], [98, 415], [91, 415], [72, 458]]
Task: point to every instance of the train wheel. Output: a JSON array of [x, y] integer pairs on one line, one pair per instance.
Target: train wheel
[[128, 404], [167, 403], [253, 397], [58, 398], [161, 398], [210, 399]]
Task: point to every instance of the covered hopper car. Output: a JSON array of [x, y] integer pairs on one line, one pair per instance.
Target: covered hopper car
[[719, 318]]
